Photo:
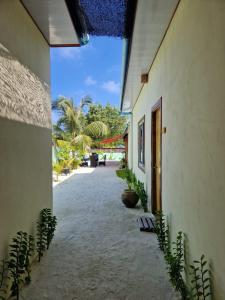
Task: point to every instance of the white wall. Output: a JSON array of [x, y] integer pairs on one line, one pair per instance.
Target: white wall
[[23, 39], [25, 123], [189, 74]]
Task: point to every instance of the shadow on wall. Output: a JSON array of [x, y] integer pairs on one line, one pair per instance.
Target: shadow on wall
[[24, 97]]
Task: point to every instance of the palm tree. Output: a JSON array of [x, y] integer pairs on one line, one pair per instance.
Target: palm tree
[[71, 125]]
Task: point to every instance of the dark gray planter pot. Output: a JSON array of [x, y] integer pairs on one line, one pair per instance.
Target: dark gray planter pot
[[129, 198]]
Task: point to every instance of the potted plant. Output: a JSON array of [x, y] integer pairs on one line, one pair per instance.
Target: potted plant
[[129, 196]]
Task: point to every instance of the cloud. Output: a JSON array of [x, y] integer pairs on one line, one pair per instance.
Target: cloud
[[111, 86], [90, 81], [70, 53]]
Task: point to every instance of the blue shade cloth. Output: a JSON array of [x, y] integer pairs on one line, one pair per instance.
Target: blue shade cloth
[[105, 17]]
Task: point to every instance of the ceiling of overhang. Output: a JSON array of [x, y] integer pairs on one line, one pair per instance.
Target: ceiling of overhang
[[53, 20], [151, 22]]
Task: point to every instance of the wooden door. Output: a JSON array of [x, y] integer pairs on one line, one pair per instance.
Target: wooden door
[[156, 157]]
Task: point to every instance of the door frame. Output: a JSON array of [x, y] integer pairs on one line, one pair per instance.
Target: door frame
[[155, 107]]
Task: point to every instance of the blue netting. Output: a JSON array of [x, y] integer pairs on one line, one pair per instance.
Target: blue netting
[[105, 17]]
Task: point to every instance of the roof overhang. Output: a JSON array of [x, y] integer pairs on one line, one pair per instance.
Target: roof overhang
[[151, 23], [53, 19]]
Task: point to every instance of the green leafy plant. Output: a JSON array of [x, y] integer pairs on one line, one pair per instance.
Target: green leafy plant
[[128, 175], [161, 229], [201, 288], [57, 168], [123, 163], [140, 190], [29, 254], [17, 261], [51, 226], [42, 230], [45, 231], [175, 261], [3, 275], [122, 173]]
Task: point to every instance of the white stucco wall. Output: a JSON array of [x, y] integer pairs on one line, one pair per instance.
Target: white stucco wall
[[25, 123], [189, 75], [23, 39]]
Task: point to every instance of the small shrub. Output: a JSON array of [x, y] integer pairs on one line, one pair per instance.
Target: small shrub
[[51, 226], [57, 168], [121, 173], [3, 275], [45, 231], [140, 190], [17, 261], [200, 282], [161, 229], [127, 175], [29, 254], [42, 233], [175, 261]]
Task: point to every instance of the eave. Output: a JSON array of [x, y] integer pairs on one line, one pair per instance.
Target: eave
[[53, 19], [151, 23]]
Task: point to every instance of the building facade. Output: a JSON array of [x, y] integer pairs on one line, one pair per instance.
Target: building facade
[[176, 132], [25, 110]]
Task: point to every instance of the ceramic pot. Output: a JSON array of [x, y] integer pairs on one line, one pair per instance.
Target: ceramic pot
[[129, 198]]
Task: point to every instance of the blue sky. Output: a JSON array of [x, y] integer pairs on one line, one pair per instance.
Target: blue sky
[[94, 69]]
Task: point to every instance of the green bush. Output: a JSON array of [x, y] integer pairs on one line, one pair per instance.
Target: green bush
[[140, 190], [201, 287], [21, 250], [45, 231]]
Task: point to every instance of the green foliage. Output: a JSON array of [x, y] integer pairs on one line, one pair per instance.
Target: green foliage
[[109, 115], [123, 163], [29, 254], [130, 179], [72, 125], [20, 251], [162, 231], [45, 231], [175, 261], [201, 288], [58, 167], [174, 257], [96, 130], [51, 226], [134, 184], [3, 275], [140, 190], [42, 230], [122, 173]]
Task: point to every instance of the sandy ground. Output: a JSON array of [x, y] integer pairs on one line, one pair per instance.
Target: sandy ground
[[63, 177], [98, 251]]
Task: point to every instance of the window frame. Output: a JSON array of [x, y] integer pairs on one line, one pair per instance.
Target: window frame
[[141, 144]]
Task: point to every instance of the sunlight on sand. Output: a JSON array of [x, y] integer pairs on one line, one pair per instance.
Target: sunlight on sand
[[84, 170]]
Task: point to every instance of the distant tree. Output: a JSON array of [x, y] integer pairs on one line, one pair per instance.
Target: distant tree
[[72, 126], [109, 115]]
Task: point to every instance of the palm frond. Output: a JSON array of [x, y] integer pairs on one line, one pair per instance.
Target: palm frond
[[96, 129], [82, 141]]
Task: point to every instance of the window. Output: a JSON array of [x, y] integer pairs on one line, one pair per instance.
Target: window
[[141, 143]]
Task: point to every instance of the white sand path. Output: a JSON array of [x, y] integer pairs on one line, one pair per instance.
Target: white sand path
[[98, 253]]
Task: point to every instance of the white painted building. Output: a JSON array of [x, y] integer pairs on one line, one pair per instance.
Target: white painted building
[[174, 90]]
